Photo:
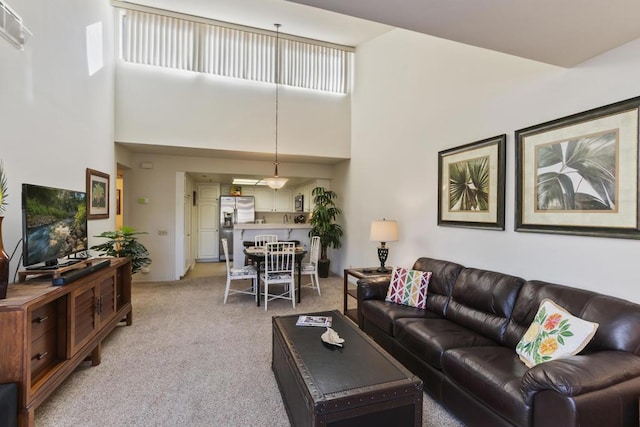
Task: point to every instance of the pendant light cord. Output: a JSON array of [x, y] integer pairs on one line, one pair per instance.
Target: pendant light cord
[[277, 65]]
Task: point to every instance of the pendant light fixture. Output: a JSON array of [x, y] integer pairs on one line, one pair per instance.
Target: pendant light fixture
[[275, 181]]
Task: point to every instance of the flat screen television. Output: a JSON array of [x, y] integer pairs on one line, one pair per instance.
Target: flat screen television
[[54, 224]]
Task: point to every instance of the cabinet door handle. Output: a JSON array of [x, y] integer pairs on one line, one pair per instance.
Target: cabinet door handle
[[41, 319], [41, 356]]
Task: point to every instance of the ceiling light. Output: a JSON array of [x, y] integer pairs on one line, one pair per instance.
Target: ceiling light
[[245, 181], [276, 182]]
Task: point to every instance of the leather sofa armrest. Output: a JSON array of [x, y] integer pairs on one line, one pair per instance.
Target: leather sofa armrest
[[373, 288], [581, 374]]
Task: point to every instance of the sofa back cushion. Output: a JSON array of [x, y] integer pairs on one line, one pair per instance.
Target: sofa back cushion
[[619, 324], [533, 292], [619, 319], [443, 277], [483, 301]]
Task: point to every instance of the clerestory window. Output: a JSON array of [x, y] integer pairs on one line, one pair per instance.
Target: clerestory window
[[173, 42]]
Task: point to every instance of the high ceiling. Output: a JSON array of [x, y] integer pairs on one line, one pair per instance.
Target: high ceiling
[[296, 19], [559, 32]]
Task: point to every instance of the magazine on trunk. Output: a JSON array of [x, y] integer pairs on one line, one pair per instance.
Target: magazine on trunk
[[323, 321]]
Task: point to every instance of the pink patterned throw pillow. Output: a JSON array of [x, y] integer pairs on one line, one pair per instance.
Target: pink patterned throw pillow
[[408, 287]]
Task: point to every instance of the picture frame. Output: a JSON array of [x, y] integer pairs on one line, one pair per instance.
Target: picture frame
[[98, 188], [578, 175], [118, 202], [471, 184]]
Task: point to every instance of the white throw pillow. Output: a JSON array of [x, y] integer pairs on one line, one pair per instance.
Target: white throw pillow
[[554, 333]]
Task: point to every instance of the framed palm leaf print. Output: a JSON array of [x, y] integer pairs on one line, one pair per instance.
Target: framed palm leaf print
[[579, 174], [471, 180]]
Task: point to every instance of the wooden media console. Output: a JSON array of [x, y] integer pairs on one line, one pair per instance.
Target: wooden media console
[[47, 331]]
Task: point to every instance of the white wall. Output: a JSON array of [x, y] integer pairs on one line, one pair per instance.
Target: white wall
[[159, 185], [416, 95], [186, 109], [56, 119]]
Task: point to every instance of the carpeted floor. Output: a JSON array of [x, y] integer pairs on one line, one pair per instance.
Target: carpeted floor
[[189, 360]]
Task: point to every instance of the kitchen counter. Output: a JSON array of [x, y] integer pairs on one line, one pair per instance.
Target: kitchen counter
[[270, 226]]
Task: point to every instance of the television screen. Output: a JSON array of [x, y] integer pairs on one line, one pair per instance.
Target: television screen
[[54, 223]]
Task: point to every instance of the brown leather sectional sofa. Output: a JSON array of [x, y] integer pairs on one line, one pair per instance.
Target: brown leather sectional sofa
[[463, 348]]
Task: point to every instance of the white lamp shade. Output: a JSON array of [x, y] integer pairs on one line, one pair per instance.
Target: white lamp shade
[[275, 182], [384, 231]]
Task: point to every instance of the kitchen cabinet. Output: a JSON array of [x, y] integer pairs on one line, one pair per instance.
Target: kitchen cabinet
[[307, 191], [264, 199], [283, 201], [268, 200]]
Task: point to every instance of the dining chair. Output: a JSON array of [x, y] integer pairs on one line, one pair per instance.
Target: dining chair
[[279, 266], [262, 239], [311, 268], [248, 272]]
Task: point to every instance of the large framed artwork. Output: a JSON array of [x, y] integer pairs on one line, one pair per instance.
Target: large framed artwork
[[97, 194], [471, 180], [579, 174]]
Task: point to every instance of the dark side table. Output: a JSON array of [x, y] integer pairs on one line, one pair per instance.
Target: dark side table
[[352, 291]]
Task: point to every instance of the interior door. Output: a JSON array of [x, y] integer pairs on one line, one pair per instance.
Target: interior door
[[187, 229], [208, 222]]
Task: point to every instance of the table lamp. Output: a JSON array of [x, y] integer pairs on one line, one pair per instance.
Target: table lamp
[[383, 231]]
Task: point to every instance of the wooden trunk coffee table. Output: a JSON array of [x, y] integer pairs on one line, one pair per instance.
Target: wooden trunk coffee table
[[358, 384]]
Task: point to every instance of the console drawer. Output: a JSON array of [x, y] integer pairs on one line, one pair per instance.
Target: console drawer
[[43, 353], [43, 319], [48, 337]]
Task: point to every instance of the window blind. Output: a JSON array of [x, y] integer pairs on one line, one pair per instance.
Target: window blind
[[165, 41]]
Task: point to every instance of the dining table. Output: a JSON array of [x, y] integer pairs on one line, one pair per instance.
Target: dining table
[[257, 256]]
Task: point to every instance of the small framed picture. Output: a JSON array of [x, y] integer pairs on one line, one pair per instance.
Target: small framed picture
[[471, 183], [97, 195]]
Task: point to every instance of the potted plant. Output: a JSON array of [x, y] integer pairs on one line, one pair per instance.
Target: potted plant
[[323, 225], [123, 243]]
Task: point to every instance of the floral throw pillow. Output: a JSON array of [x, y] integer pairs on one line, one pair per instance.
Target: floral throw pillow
[[408, 287], [554, 333]]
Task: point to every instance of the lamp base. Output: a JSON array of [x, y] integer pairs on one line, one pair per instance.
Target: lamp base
[[383, 252]]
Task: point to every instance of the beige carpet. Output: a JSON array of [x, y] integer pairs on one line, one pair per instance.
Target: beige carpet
[[189, 360]]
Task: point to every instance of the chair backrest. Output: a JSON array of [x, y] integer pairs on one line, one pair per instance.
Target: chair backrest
[[279, 257], [225, 246], [314, 252], [262, 239]]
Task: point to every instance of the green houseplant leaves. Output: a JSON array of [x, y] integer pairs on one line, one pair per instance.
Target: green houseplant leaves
[[123, 243], [323, 219]]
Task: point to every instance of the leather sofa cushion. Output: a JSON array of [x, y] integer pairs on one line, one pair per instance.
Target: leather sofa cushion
[[443, 277], [531, 295], [492, 375], [430, 338], [383, 314], [618, 320], [483, 301]]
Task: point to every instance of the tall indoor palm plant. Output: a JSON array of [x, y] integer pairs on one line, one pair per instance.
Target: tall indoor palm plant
[[324, 226]]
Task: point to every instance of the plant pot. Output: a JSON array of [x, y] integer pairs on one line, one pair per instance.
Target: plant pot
[[323, 268], [4, 266]]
